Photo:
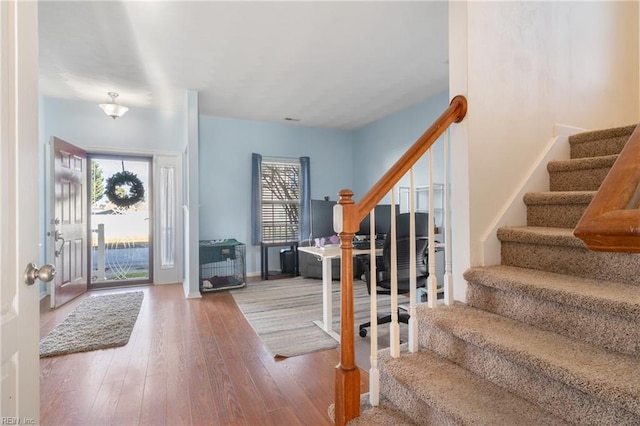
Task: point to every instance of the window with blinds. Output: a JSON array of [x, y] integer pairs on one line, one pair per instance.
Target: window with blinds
[[280, 201]]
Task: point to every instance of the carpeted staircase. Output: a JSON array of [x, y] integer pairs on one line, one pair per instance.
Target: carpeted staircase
[[551, 336]]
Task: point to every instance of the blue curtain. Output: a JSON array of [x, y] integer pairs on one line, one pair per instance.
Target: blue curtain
[[256, 173], [305, 199]]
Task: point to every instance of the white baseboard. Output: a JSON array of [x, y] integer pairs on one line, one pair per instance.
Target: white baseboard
[[195, 295]]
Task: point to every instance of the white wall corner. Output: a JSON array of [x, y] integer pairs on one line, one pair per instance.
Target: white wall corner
[[514, 211], [191, 212], [186, 255], [459, 143]]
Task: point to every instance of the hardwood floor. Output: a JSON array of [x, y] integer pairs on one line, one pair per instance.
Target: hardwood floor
[[188, 362]]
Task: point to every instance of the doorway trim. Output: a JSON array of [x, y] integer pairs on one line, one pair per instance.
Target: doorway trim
[[160, 158]]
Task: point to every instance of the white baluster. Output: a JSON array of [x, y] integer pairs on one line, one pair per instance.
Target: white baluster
[[374, 374], [448, 276], [432, 281], [413, 322], [394, 327]]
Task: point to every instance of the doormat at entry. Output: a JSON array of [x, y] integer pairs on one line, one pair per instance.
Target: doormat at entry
[[98, 322]]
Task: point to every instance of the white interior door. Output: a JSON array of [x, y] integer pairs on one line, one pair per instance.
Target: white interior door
[[69, 236], [19, 320]]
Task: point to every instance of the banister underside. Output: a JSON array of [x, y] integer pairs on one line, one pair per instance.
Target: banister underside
[[612, 220]]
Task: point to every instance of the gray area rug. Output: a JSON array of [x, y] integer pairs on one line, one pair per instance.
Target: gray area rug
[[282, 313], [98, 322]]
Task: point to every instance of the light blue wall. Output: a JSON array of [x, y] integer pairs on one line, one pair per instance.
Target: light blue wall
[[378, 145], [225, 171], [85, 125], [339, 159]]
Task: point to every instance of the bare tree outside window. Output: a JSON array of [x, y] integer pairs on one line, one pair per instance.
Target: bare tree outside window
[[280, 195]]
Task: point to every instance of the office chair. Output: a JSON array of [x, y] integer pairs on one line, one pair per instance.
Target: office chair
[[383, 268]]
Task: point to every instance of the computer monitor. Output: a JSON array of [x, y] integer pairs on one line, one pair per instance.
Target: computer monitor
[[321, 218], [383, 220]]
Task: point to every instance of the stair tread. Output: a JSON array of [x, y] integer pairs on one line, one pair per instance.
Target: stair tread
[[461, 395], [597, 295], [558, 197], [540, 235], [613, 377], [581, 163], [382, 415], [596, 135]]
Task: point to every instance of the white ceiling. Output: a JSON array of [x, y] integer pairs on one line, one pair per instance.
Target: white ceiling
[[329, 64]]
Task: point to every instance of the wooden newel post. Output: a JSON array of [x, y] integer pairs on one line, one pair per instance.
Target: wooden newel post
[[347, 395]]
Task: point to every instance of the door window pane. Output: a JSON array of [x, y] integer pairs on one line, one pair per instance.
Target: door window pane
[[120, 232]]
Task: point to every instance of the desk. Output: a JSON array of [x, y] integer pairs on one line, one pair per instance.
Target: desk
[[327, 253], [265, 256]]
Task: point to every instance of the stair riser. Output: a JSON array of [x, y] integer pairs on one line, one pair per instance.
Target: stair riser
[[609, 146], [555, 215], [407, 402], [558, 398], [597, 328], [577, 180], [573, 261]]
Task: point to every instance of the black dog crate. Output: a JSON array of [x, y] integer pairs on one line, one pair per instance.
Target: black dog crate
[[222, 264]]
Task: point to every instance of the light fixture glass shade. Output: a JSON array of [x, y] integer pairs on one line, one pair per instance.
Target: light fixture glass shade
[[112, 108]]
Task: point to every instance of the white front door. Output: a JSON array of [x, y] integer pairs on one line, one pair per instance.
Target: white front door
[[19, 226]]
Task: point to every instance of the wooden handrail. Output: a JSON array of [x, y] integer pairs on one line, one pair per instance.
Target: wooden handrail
[[612, 220], [455, 113], [347, 391]]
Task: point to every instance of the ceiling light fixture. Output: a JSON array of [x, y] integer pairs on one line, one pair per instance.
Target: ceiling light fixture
[[112, 108]]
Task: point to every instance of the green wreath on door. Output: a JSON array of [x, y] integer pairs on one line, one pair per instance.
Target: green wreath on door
[[124, 198]]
